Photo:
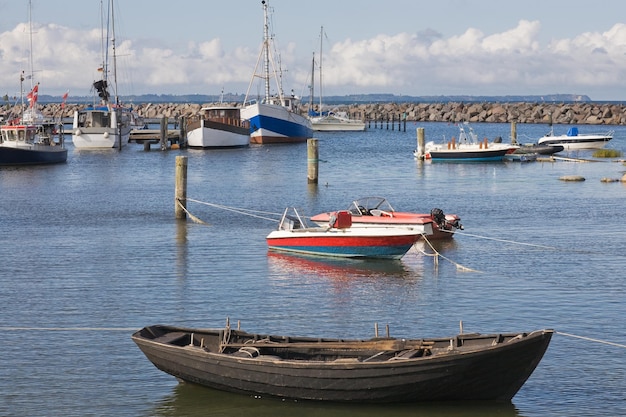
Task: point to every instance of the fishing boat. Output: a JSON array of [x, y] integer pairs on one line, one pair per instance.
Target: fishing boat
[[329, 121], [468, 148], [464, 367], [574, 140], [107, 124], [276, 118], [218, 126], [26, 144], [29, 138], [339, 239], [377, 211]]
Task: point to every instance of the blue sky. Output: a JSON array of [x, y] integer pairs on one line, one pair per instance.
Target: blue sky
[[412, 47]]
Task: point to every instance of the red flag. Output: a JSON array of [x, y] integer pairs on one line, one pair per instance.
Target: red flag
[[65, 98], [32, 96]]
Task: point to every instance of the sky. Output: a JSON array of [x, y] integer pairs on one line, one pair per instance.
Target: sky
[[401, 47]]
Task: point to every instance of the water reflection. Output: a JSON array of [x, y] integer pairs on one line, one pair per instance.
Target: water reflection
[[182, 248], [193, 400], [337, 269]]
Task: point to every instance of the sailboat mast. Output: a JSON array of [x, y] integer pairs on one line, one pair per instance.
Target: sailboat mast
[[321, 83], [312, 88], [266, 52], [117, 101], [30, 39]]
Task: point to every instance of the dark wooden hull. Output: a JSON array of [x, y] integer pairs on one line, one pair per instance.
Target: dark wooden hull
[[464, 367]]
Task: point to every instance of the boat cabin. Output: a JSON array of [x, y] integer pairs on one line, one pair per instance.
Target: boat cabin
[[99, 117], [29, 134], [18, 133], [228, 115]]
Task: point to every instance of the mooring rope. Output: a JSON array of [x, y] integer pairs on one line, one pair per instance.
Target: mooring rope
[[507, 241], [592, 340], [71, 329], [436, 254], [244, 211], [194, 218]]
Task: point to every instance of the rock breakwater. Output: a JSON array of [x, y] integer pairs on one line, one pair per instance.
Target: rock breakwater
[[587, 113]]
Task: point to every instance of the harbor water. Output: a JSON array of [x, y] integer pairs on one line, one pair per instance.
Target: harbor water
[[91, 252]]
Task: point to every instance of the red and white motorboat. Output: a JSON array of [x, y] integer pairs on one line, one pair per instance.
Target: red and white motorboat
[[376, 211], [339, 239]]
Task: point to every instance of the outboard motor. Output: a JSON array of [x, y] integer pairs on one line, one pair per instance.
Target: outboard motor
[[438, 216]]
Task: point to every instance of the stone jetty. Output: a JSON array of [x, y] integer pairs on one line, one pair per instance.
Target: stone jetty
[[580, 113]]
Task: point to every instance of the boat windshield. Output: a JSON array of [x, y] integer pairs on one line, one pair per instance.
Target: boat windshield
[[364, 206], [292, 220]]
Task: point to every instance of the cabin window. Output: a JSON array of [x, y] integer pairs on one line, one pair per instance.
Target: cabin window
[[100, 119], [21, 134]]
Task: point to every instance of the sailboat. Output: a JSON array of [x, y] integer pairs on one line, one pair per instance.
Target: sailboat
[[276, 118], [333, 120], [108, 124], [31, 139]]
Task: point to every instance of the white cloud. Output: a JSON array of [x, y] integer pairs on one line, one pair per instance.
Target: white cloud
[[423, 63]]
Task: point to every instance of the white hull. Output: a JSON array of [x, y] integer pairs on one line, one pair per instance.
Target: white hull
[[204, 137], [99, 138], [577, 142], [98, 129], [333, 124]]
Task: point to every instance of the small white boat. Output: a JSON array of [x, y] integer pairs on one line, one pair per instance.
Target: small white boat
[[467, 149], [218, 127], [339, 239], [329, 121], [335, 122], [108, 124], [574, 140], [101, 127]]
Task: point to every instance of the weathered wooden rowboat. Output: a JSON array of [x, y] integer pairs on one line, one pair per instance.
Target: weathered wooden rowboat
[[486, 367]]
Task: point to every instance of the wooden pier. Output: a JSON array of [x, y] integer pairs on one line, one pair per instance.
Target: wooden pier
[[175, 137]]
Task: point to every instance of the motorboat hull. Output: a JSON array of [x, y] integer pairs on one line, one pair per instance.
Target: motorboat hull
[[344, 244]]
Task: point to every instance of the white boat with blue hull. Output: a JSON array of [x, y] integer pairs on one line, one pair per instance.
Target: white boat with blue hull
[[276, 118], [574, 140]]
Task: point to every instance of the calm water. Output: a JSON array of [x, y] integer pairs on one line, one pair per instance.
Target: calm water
[[91, 251]]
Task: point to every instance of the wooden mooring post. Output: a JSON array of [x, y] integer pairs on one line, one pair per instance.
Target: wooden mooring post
[[312, 151], [513, 133], [163, 140], [421, 140], [180, 197]]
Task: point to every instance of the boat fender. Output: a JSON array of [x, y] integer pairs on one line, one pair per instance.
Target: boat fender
[[77, 132], [106, 135]]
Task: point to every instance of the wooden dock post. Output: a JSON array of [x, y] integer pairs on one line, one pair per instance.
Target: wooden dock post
[[164, 133], [312, 153], [514, 133], [182, 133], [420, 143], [180, 198]]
